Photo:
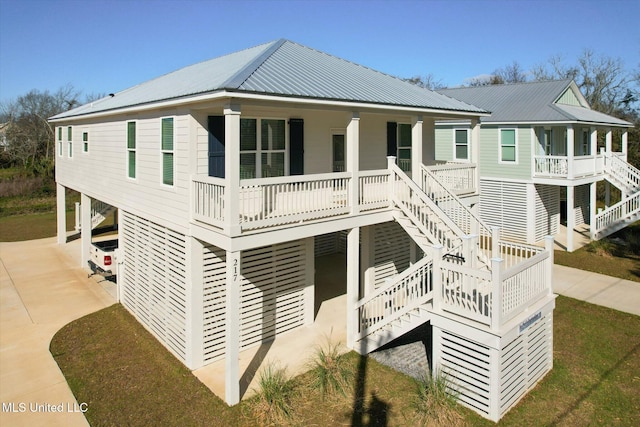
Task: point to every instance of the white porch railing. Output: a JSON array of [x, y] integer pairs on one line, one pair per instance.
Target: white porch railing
[[565, 167], [494, 297], [624, 172], [554, 166], [208, 200], [373, 189], [460, 178]]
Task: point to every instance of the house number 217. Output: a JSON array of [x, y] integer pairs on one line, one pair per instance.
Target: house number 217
[[235, 270]]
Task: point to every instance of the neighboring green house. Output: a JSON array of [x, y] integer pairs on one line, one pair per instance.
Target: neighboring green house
[[528, 172]]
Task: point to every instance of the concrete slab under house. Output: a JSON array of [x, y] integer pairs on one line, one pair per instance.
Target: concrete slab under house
[[243, 184]]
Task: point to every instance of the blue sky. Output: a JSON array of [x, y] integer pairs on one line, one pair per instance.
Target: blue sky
[[103, 46]]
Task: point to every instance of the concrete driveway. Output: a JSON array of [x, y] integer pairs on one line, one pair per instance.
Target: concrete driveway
[[42, 288]]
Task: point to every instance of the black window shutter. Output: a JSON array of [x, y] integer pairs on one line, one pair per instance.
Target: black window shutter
[[392, 139], [216, 146], [296, 146]]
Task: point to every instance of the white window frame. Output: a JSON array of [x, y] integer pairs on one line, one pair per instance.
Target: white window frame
[[129, 150], [60, 143], [515, 136], [343, 133], [70, 142], [85, 144], [455, 145], [163, 152], [409, 148], [258, 152]]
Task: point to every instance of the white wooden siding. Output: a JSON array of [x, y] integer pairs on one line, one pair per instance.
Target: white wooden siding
[[154, 282], [581, 204], [392, 251], [489, 154], [272, 291], [547, 205], [504, 204], [214, 298]]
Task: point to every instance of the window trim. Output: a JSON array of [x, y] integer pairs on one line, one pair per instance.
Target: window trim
[[85, 142], [70, 142], [409, 148], [60, 144], [259, 151], [172, 152], [455, 145], [132, 150], [500, 146]]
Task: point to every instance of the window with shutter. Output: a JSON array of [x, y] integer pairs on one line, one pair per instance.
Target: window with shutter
[[131, 149], [167, 151]]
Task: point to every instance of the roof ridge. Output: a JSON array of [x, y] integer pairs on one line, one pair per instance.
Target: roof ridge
[[568, 81], [236, 80]]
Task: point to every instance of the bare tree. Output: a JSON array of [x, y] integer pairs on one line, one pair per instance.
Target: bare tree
[[428, 81], [513, 73]]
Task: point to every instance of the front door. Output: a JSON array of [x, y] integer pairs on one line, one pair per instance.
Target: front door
[[216, 146]]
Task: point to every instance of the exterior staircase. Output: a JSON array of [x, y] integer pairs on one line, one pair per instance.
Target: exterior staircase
[[616, 217], [437, 218], [99, 212]]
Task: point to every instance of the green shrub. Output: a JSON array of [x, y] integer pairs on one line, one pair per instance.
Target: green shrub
[[435, 401], [329, 370], [272, 404]]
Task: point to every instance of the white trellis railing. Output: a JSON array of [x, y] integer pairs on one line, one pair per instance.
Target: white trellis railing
[[459, 178]]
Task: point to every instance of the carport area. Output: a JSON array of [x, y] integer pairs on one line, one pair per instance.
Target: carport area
[[42, 288]]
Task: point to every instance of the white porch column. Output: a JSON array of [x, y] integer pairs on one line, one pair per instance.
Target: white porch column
[[232, 168], [367, 270], [353, 160], [232, 332], [353, 275], [592, 208], [194, 354], [310, 286], [571, 218], [608, 141], [625, 144], [85, 233], [61, 214], [593, 146], [570, 150], [416, 149], [475, 151]]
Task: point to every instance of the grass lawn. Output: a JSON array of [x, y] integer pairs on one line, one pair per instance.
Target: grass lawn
[[617, 255], [127, 378]]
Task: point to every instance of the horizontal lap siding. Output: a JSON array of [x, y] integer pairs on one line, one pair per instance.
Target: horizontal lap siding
[[214, 299], [547, 211], [392, 251], [272, 291], [154, 285], [504, 205], [581, 204]]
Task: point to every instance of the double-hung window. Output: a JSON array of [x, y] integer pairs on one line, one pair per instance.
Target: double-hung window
[[547, 143], [461, 142], [404, 147], [131, 149], [167, 151], [85, 142], [262, 148], [508, 148], [60, 149], [70, 140], [586, 142]]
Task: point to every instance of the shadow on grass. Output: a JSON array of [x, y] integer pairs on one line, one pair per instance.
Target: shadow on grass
[[376, 411], [587, 394]]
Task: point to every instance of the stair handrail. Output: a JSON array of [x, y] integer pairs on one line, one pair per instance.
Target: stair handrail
[[627, 173], [431, 204], [421, 268], [483, 230], [613, 214]]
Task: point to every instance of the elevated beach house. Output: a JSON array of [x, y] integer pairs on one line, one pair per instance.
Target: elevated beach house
[[539, 157], [233, 178]]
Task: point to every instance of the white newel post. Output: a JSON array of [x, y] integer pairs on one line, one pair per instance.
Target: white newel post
[[391, 161], [232, 169], [416, 149], [571, 217], [78, 225], [608, 142], [61, 215], [232, 331], [437, 277], [570, 151], [353, 161], [353, 286], [85, 233], [495, 242], [548, 245], [496, 294]]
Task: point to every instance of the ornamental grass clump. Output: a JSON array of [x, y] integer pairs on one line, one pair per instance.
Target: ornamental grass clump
[[329, 370], [435, 402], [272, 404]]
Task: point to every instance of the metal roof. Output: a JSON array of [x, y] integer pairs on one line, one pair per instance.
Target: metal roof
[[280, 68], [529, 102]]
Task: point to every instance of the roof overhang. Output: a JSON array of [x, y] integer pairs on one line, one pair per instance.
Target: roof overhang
[[240, 95]]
